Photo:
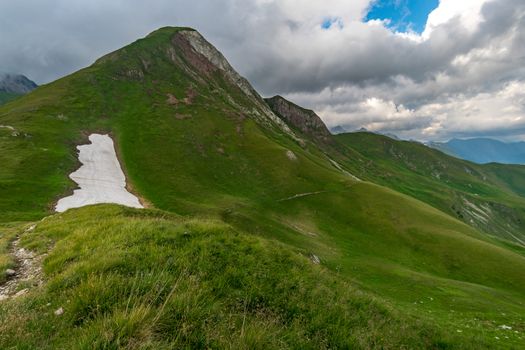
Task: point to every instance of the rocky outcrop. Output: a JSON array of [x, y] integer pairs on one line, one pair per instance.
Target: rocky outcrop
[[304, 120], [207, 60], [16, 84]]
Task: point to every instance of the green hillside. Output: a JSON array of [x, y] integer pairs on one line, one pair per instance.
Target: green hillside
[[257, 239], [6, 97], [487, 197], [173, 282]]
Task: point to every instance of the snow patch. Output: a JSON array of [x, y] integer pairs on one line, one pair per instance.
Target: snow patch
[[100, 178]]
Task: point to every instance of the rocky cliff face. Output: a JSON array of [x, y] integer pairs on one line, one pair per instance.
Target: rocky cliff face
[[202, 47], [305, 120], [16, 84]]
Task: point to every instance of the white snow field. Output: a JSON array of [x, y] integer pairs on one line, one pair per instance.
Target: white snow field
[[100, 178]]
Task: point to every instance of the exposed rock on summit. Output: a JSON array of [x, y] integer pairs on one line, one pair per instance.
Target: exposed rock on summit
[[202, 47], [305, 120]]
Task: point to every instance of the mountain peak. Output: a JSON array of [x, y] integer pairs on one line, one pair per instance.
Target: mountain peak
[[169, 30], [305, 120], [338, 129], [185, 50], [16, 83]]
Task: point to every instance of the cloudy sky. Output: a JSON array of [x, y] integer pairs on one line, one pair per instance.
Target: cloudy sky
[[421, 69]]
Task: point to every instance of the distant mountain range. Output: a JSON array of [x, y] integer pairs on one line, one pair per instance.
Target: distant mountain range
[[477, 150], [484, 150], [336, 130], [14, 85]]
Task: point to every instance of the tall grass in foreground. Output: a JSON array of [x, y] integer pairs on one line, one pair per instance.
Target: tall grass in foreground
[[129, 279]]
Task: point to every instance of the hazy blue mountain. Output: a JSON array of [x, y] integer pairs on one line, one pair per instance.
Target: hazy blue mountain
[[14, 85], [338, 130], [484, 150]]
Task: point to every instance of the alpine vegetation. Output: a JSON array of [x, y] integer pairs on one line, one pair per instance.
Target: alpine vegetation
[[154, 200]]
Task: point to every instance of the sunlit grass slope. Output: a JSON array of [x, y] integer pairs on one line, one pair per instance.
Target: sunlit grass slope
[[487, 197]]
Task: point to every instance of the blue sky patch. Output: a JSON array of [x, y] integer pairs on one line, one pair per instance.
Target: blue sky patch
[[329, 22], [402, 15]]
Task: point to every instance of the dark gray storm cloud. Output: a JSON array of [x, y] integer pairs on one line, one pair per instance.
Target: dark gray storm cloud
[[463, 75]]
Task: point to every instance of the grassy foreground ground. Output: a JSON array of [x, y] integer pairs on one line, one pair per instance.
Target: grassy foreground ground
[[129, 278], [172, 282], [8, 232]]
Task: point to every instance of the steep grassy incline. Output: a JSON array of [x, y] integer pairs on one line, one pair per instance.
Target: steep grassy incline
[[7, 96], [487, 197], [190, 133], [195, 139]]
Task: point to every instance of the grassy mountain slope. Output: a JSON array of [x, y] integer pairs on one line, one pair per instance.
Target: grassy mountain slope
[[7, 96], [488, 197], [196, 140]]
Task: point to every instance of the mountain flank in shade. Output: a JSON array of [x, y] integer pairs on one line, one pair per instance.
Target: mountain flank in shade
[[14, 85], [304, 120]]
